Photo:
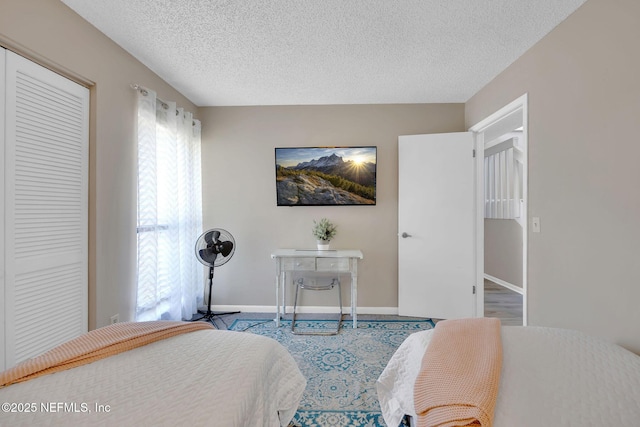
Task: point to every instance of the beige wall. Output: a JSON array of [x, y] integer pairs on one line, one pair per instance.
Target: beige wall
[[239, 190], [584, 103], [503, 250], [51, 32], [584, 107]]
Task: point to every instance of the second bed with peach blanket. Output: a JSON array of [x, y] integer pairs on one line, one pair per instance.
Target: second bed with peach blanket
[[549, 377]]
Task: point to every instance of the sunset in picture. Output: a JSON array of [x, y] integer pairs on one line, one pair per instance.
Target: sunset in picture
[[317, 176]]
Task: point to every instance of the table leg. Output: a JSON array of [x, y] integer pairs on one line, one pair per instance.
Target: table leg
[[284, 292], [278, 273], [354, 292]]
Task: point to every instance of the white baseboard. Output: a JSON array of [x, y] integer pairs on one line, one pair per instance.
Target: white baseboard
[[511, 286], [305, 309]]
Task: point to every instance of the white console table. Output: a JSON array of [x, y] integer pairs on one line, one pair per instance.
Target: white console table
[[303, 260]]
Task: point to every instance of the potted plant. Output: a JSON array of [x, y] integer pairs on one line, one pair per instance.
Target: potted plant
[[323, 230]]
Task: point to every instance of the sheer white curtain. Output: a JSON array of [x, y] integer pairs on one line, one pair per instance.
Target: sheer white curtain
[[170, 280]]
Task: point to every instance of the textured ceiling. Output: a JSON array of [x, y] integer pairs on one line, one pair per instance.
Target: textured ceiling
[[296, 52]]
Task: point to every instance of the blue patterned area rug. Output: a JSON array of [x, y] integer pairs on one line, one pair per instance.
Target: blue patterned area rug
[[341, 370]]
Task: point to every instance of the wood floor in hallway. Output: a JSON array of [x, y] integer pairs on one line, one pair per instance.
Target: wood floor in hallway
[[502, 303]]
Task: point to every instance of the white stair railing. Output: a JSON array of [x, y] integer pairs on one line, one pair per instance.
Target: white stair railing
[[503, 169]]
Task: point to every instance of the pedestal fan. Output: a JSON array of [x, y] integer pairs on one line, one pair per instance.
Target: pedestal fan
[[214, 248]]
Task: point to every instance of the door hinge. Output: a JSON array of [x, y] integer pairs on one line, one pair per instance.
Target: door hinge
[[474, 152], [474, 289]]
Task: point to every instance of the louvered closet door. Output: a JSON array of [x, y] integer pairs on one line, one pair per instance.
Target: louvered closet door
[[46, 178], [3, 55]]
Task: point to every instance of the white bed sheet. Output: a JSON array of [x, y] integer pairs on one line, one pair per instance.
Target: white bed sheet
[[211, 377], [550, 377]]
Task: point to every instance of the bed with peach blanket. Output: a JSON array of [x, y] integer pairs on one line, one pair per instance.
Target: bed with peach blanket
[[548, 377], [201, 377]]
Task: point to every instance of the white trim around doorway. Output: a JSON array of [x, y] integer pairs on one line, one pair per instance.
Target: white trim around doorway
[[494, 123]]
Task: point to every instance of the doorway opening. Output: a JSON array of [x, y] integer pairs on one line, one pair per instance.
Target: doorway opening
[[501, 213]]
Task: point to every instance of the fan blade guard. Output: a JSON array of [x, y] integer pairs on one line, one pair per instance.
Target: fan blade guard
[[212, 243]]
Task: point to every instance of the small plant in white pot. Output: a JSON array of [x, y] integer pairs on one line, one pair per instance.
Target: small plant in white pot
[[323, 230]]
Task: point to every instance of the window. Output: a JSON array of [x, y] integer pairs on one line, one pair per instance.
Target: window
[[169, 278]]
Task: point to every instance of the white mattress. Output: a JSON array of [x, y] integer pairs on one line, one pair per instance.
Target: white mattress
[[214, 378], [550, 377]]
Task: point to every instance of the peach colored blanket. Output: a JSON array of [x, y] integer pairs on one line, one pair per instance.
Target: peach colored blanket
[[460, 374], [95, 345]]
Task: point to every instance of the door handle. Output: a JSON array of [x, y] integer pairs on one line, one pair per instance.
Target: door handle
[[405, 235]]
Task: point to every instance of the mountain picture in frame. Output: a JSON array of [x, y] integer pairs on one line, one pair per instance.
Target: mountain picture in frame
[[324, 176]]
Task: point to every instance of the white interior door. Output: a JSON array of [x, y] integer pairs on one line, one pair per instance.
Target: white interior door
[[436, 226]]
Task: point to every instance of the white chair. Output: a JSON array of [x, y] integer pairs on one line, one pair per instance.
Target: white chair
[[315, 285]]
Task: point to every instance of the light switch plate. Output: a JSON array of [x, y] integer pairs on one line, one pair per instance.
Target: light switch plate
[[535, 224]]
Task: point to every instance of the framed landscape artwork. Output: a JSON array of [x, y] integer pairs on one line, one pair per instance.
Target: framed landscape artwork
[[323, 176]]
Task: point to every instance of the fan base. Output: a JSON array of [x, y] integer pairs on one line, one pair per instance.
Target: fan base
[[208, 315]]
